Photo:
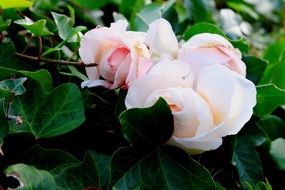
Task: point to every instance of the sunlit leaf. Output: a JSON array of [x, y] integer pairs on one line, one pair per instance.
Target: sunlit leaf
[[4, 25], [65, 28], [37, 28], [30, 177], [6, 4]]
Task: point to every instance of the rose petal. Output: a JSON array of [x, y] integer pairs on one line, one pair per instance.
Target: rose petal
[[192, 115], [206, 40], [161, 38], [230, 96]]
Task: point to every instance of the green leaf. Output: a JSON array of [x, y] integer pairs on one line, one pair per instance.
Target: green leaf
[[275, 54], [159, 170], [274, 51], [30, 177], [65, 28], [201, 11], [247, 161], [4, 25], [37, 28], [4, 126], [7, 4], [9, 60], [42, 76], [97, 169], [52, 160], [91, 4], [278, 75], [146, 16], [204, 27], [130, 7], [273, 126], [254, 67], [15, 86], [154, 124], [57, 162], [46, 116], [242, 7], [269, 97], [277, 152]]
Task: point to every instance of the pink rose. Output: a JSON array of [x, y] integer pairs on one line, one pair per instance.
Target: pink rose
[[208, 49], [218, 105], [122, 56]]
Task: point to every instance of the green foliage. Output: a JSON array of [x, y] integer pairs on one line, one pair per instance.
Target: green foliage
[[277, 152], [72, 138], [204, 27], [4, 25], [54, 114], [14, 86], [154, 124], [159, 169], [269, 97], [6, 4], [30, 177], [36, 28], [65, 29]]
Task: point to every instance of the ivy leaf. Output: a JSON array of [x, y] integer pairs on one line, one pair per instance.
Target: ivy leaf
[[59, 112], [268, 98], [7, 4], [153, 125], [254, 68], [247, 161], [4, 126], [37, 28], [204, 27], [97, 169], [273, 126], [277, 152], [159, 170], [65, 28], [30, 177], [4, 25], [14, 86]]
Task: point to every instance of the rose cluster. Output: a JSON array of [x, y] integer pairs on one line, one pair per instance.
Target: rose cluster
[[202, 80]]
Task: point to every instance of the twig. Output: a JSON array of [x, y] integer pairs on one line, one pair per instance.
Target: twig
[[28, 45], [40, 47], [54, 61]]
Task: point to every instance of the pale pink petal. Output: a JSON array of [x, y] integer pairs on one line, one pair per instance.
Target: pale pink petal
[[161, 38], [203, 57], [206, 40], [236, 64], [194, 146], [122, 73], [94, 42], [92, 73], [192, 115], [230, 96], [216, 85], [243, 101], [94, 83], [173, 68]]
